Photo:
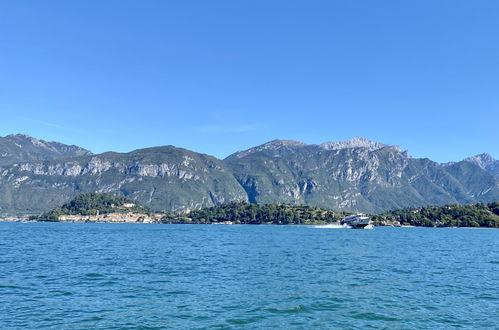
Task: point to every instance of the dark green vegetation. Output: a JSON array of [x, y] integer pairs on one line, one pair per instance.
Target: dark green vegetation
[[246, 213], [476, 215], [93, 204], [356, 175]]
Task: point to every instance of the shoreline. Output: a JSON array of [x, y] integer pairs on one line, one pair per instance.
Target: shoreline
[[225, 224]]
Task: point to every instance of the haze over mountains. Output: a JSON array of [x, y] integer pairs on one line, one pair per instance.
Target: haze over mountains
[[354, 175]]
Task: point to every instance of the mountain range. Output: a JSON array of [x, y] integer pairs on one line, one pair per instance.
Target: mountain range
[[354, 175]]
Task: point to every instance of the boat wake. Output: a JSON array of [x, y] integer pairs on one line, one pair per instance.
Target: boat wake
[[332, 226]]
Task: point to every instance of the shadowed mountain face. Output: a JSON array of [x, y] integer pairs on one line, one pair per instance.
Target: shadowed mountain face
[[355, 175], [24, 148]]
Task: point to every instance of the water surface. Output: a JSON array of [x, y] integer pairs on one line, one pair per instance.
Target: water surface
[[65, 275]]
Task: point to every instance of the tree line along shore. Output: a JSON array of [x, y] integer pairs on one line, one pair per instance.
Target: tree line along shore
[[101, 207]]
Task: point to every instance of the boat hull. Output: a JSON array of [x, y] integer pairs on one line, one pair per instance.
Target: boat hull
[[358, 222], [368, 226]]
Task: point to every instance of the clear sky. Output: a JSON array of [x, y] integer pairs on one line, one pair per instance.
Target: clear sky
[[220, 76]]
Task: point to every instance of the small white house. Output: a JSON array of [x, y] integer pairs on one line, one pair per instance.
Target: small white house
[[128, 205]]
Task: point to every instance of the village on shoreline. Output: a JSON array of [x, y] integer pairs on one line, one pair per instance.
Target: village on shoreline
[[107, 208]]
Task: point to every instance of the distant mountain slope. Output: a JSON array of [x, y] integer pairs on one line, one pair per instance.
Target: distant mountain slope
[[164, 178], [356, 175], [487, 162], [24, 148]]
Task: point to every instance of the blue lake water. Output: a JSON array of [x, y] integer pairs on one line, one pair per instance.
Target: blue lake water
[[65, 275]]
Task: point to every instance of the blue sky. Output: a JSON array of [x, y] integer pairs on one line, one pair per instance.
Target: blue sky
[[221, 76]]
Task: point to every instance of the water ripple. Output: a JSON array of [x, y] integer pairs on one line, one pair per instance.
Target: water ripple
[[196, 277]]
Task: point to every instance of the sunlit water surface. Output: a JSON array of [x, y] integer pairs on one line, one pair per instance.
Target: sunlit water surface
[[64, 275]]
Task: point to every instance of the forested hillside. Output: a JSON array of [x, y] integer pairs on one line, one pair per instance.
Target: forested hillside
[[475, 215]]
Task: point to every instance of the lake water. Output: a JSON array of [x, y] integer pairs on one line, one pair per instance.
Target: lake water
[[70, 275]]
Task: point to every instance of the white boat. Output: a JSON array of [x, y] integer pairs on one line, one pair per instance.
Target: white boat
[[358, 221]]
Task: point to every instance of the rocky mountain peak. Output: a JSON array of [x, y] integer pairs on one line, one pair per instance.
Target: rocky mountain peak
[[282, 143], [486, 162], [22, 148], [23, 138], [18, 136], [271, 145], [482, 160], [357, 142]]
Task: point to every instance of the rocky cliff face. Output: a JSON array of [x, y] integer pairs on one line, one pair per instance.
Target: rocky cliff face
[[164, 178], [355, 175], [357, 142]]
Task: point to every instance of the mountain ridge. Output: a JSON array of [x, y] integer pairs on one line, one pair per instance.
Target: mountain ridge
[[356, 142], [21, 147], [353, 175]]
